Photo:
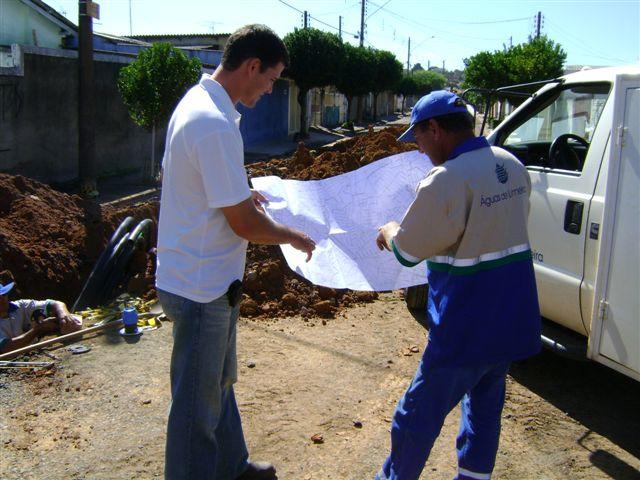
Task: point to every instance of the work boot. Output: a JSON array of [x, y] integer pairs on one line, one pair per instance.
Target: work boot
[[259, 471]]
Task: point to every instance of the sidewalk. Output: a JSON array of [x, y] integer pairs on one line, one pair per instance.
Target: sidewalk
[[318, 137]]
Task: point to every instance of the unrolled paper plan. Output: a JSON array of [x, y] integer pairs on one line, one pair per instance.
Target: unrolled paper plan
[[342, 214]]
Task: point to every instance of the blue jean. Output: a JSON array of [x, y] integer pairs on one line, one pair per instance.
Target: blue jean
[[421, 412], [204, 432]]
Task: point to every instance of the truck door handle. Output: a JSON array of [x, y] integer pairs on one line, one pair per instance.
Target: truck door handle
[[573, 217]]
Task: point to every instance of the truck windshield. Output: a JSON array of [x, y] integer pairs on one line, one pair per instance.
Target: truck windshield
[[573, 112], [576, 110]]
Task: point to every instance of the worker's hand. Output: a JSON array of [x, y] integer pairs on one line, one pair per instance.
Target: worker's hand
[[303, 242], [46, 326], [386, 234], [68, 323], [258, 199], [65, 321]]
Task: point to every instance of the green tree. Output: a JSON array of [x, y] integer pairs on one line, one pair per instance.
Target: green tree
[[419, 83], [387, 75], [315, 60], [487, 70], [539, 59], [536, 60], [428, 81], [358, 70], [153, 84], [405, 87]]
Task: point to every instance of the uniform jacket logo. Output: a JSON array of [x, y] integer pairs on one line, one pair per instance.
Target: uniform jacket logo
[[501, 173]]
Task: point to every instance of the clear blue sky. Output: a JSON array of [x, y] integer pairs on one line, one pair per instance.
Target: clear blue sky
[[592, 32]]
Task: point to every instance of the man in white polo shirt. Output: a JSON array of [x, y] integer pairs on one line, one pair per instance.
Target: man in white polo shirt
[[208, 214], [469, 221]]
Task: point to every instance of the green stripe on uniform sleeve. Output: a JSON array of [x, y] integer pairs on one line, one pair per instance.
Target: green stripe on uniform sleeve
[[400, 258]]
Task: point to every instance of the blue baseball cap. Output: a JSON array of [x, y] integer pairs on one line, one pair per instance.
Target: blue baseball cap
[[4, 289], [435, 104]]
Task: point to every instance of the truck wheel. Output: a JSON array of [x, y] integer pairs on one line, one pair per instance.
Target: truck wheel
[[416, 297]]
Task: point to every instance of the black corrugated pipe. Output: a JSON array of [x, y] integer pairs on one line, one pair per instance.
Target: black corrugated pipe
[[97, 275]]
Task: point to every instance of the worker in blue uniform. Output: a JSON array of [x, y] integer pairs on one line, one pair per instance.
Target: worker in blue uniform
[[469, 221]]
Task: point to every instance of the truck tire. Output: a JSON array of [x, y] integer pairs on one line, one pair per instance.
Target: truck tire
[[416, 297]]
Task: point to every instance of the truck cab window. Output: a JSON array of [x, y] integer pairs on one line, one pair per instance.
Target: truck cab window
[[557, 135]]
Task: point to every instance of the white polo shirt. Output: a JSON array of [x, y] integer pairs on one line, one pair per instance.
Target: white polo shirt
[[199, 255]]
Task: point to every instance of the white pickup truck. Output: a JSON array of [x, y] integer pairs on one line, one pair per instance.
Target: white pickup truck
[[579, 137]]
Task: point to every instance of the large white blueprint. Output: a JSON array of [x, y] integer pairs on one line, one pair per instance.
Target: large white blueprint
[[342, 214]]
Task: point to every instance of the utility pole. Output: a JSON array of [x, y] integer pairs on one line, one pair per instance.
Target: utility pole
[[340, 27], [130, 21], [87, 10], [538, 22], [306, 22], [443, 66], [362, 22], [408, 56]]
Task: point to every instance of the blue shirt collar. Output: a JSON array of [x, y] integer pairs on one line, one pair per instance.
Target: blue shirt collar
[[469, 145]]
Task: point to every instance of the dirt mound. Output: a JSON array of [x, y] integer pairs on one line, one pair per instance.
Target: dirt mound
[[49, 240], [271, 287], [342, 157]]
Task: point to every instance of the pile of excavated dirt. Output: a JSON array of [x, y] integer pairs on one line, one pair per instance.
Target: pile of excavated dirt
[[342, 157], [49, 241], [270, 286], [272, 289]]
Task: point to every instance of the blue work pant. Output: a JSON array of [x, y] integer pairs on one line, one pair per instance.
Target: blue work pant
[[421, 412], [204, 432]]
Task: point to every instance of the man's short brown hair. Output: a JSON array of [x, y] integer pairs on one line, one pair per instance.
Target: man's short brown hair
[[452, 122], [254, 41]]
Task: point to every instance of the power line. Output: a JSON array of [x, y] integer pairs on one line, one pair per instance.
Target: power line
[[379, 8], [331, 26], [582, 45], [422, 26], [487, 22], [291, 6], [509, 20], [335, 12], [316, 19]]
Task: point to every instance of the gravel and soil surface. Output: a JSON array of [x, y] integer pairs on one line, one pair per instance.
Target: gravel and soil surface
[[313, 362], [102, 414]]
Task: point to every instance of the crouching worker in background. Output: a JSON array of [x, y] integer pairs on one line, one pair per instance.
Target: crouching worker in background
[[23, 321]]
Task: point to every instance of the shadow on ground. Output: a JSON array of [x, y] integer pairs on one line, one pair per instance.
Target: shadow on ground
[[601, 399]]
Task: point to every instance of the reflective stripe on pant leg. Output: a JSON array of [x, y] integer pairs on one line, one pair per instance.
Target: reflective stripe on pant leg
[[464, 474], [479, 434], [419, 416], [381, 476]]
